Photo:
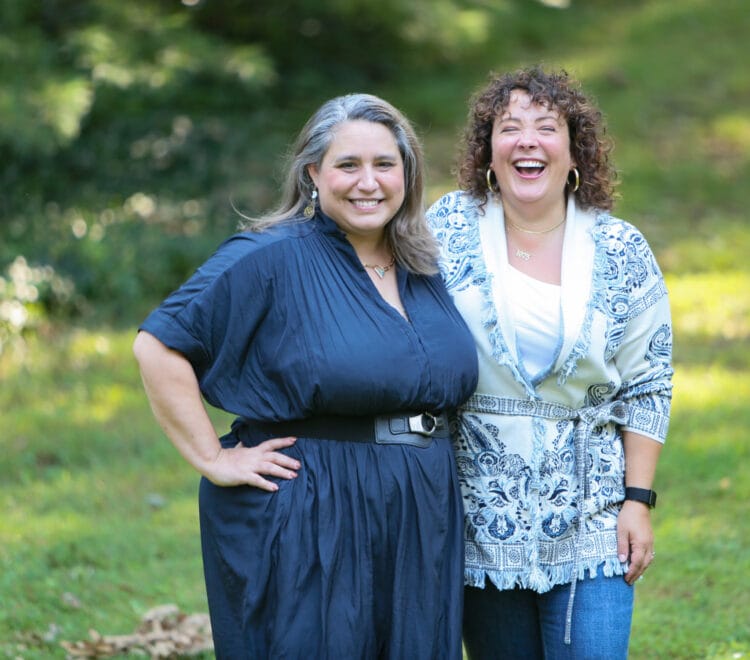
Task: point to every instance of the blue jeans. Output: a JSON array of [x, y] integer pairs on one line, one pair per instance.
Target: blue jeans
[[525, 625]]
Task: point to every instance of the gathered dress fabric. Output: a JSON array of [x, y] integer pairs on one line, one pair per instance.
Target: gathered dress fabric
[[539, 450], [361, 555]]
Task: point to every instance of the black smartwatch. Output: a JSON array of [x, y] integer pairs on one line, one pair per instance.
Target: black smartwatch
[[648, 497]]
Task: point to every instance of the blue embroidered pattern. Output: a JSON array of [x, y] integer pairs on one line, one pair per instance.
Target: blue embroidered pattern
[[542, 515]]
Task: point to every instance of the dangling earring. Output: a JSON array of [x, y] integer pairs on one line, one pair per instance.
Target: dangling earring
[[489, 182], [309, 210], [578, 180]]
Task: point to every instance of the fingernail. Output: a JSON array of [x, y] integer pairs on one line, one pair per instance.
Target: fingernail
[[622, 558]]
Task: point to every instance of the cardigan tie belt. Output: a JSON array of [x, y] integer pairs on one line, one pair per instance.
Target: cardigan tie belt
[[585, 420]]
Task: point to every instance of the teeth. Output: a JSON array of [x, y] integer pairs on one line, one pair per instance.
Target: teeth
[[529, 163], [366, 203]]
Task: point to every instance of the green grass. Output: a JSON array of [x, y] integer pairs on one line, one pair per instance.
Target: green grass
[[99, 512], [694, 601], [99, 516]]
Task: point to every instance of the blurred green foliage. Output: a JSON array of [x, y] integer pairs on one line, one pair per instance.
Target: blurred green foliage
[[129, 130]]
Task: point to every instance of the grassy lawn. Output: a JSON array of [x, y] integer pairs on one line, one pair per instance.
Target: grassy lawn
[[99, 513]]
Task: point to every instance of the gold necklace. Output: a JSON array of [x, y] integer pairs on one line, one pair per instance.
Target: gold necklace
[[532, 231], [380, 271]]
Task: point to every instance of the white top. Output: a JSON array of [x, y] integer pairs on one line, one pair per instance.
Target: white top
[[535, 306]]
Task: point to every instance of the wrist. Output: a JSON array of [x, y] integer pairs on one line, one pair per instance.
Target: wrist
[[643, 495]]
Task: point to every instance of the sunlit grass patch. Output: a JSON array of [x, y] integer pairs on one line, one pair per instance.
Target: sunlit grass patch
[[711, 319], [697, 587], [715, 244], [700, 390], [712, 305]]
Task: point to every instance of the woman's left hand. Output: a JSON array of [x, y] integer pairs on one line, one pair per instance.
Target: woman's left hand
[[635, 539]]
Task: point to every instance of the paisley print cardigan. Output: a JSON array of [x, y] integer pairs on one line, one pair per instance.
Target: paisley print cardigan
[[541, 460]]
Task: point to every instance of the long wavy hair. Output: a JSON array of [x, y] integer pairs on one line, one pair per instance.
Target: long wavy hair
[[590, 146], [408, 234]]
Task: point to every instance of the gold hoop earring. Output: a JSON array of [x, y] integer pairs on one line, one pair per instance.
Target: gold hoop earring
[[578, 180], [489, 182], [309, 210]]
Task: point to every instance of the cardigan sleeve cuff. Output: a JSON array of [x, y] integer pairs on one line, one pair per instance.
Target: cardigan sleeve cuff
[[651, 423]]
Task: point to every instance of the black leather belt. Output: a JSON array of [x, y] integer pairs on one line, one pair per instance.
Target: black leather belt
[[415, 429]]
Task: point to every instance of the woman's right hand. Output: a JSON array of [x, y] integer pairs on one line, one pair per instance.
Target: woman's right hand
[[240, 465], [175, 397]]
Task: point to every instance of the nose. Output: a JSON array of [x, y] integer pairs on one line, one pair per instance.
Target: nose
[[527, 138], [367, 180]]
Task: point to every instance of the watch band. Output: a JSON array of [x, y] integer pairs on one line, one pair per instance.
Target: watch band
[[644, 495]]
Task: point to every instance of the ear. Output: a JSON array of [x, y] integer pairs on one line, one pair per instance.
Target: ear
[[312, 171]]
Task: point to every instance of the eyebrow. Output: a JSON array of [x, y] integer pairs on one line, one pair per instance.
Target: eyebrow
[[555, 118], [345, 157]]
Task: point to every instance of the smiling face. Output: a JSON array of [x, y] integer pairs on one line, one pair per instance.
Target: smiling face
[[530, 153], [360, 180]]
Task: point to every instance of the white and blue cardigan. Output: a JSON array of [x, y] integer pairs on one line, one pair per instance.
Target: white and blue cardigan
[[537, 457]]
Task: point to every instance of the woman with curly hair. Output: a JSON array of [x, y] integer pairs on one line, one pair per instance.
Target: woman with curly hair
[[557, 449]]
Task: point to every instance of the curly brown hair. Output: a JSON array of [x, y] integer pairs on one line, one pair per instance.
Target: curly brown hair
[[590, 146]]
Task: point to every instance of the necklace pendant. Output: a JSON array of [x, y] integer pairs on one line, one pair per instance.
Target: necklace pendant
[[379, 270], [522, 254]]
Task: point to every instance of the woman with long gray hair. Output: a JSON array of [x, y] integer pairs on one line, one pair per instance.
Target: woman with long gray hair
[[330, 512]]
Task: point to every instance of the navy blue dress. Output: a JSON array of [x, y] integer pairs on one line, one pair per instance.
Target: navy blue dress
[[360, 556]]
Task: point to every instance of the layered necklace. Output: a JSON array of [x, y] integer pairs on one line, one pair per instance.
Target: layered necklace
[[523, 254]]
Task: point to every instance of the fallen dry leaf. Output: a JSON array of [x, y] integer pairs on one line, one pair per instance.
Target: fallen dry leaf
[[164, 632]]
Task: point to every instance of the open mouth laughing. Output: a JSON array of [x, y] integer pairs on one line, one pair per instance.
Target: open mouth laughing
[[529, 167]]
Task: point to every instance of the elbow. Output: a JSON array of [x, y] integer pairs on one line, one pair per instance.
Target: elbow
[[138, 347], [144, 347]]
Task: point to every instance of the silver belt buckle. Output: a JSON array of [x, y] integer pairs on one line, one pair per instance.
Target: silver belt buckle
[[424, 424]]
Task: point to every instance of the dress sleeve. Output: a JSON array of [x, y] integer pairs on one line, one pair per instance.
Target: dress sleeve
[[644, 356], [211, 318]]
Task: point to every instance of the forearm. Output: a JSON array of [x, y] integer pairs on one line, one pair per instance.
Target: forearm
[[641, 456], [175, 398], [635, 536]]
